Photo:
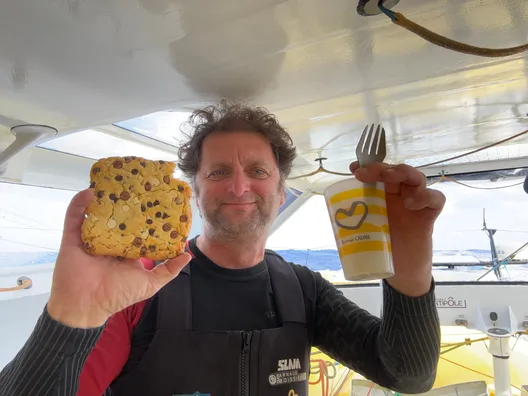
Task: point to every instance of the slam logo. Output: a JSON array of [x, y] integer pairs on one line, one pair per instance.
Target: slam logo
[[289, 364], [288, 372]]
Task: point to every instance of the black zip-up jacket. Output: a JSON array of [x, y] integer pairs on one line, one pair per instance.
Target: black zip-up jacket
[[400, 352]]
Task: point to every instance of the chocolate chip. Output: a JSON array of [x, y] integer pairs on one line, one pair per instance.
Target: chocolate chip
[[166, 227], [174, 234], [147, 186], [96, 170], [128, 159], [143, 251], [118, 164], [143, 164], [149, 204], [165, 216], [124, 195], [161, 162], [152, 248], [158, 214], [151, 231], [92, 184], [113, 197], [100, 194], [149, 221], [178, 201], [156, 203], [183, 218], [166, 179], [118, 178], [143, 209], [122, 226], [180, 188], [135, 171], [137, 242]]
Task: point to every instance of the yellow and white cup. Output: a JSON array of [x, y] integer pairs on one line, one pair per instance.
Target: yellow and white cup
[[358, 213]]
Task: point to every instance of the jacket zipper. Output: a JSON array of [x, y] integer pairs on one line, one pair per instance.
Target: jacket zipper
[[244, 363]]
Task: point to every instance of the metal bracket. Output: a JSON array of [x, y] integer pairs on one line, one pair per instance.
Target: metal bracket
[[371, 7], [22, 279], [26, 136]]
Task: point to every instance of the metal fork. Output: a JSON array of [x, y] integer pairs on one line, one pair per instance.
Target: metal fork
[[372, 146]]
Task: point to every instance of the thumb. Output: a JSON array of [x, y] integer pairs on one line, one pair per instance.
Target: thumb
[[170, 269], [71, 235]]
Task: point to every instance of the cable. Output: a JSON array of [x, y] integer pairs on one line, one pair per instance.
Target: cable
[[445, 42], [22, 284], [444, 177], [322, 169], [476, 150]]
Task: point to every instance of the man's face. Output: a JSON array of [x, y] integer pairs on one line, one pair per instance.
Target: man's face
[[238, 188]]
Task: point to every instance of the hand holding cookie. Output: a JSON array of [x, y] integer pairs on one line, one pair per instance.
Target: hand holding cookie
[[98, 271]]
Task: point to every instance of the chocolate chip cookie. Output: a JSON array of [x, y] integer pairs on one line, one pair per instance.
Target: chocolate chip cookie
[[139, 210]]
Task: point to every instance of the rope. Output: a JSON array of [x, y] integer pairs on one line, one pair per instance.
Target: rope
[[322, 169], [24, 284], [466, 342], [324, 377], [345, 379], [319, 170], [445, 42], [451, 346], [444, 177], [476, 150], [475, 371]]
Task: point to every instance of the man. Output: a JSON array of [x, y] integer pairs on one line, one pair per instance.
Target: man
[[237, 320]]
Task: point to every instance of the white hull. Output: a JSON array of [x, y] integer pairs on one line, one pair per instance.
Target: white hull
[[464, 309]]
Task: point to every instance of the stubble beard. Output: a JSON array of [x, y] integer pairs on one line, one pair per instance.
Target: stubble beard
[[250, 228]]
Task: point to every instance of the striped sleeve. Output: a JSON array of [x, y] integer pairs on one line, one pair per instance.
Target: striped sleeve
[[50, 362], [399, 352]]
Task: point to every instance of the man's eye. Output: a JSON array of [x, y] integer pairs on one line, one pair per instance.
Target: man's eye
[[217, 173], [259, 172]]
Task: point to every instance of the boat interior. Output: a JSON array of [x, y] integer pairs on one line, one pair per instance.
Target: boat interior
[[447, 80]]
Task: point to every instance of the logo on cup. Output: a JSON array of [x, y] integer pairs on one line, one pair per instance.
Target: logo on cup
[[349, 213]]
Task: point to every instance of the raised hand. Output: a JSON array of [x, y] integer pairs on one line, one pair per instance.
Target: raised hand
[[86, 289], [412, 210]]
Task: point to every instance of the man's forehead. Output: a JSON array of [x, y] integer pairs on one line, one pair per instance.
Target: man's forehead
[[231, 148]]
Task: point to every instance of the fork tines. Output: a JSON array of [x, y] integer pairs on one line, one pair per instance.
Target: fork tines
[[372, 145]]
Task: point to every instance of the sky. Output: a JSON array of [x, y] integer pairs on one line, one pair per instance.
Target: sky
[[31, 219], [458, 227]]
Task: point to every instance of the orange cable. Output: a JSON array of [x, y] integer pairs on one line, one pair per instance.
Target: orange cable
[[24, 284]]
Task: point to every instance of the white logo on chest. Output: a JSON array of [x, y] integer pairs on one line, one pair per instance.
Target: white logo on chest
[[289, 364]]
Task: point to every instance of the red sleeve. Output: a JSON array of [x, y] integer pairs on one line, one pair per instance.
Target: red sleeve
[[110, 354]]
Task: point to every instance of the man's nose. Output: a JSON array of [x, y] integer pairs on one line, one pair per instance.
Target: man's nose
[[239, 183]]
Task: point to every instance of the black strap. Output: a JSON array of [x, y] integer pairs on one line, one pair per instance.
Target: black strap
[[175, 302], [286, 289], [175, 299]]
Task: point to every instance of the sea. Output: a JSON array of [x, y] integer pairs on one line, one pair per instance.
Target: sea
[[326, 261]]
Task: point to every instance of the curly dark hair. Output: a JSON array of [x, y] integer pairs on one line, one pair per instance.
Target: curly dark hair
[[234, 117]]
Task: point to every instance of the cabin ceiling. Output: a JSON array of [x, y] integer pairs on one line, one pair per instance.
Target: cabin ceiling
[[324, 70]]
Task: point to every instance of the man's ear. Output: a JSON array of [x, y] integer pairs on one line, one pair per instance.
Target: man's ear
[[196, 194], [283, 194]]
